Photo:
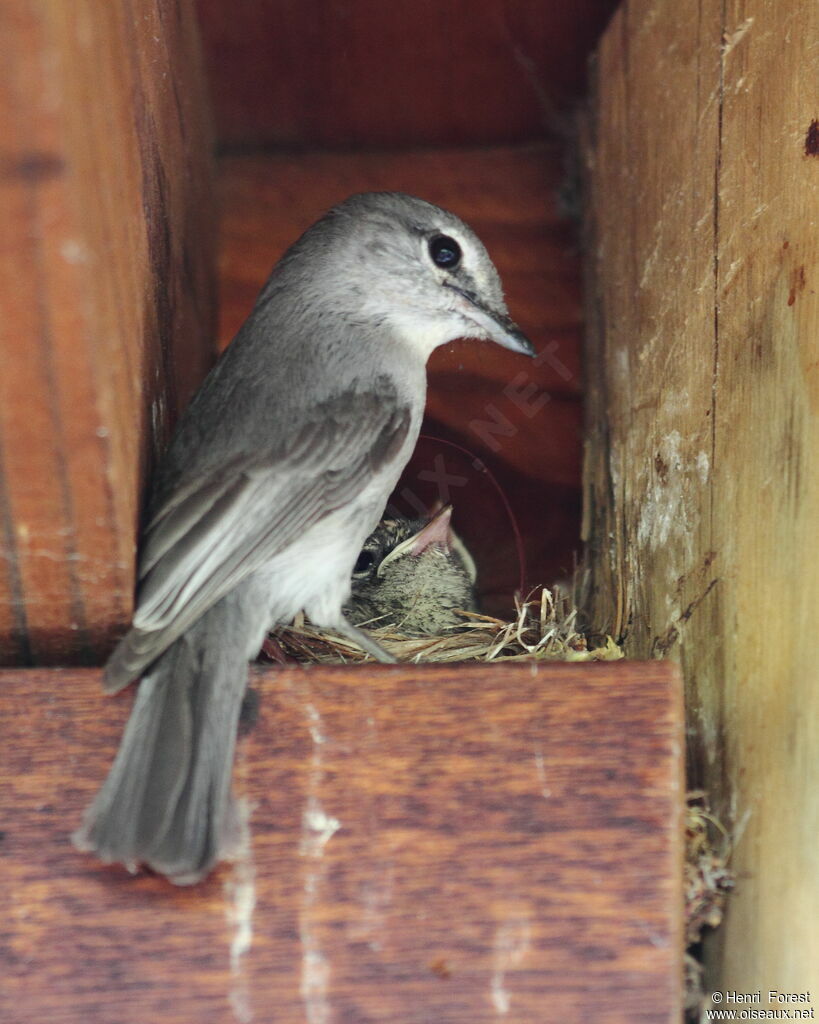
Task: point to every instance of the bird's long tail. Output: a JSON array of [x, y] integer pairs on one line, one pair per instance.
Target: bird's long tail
[[167, 800]]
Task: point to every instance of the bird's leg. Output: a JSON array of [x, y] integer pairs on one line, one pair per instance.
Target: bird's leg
[[364, 641]]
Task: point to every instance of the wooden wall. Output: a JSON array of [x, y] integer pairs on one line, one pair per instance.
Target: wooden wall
[[703, 375], [313, 74], [107, 296]]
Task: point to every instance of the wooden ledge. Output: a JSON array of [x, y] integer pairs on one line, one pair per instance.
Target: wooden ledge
[[427, 844]]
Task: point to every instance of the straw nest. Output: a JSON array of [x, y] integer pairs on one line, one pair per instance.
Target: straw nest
[[544, 629]]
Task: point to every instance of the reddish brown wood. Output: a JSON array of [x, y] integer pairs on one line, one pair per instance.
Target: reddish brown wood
[[507, 846], [380, 74], [478, 394], [105, 271]]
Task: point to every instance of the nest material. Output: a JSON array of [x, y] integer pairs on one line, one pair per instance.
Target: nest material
[[543, 630], [708, 883]]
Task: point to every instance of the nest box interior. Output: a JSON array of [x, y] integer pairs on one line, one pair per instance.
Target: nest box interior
[[161, 155], [131, 256]]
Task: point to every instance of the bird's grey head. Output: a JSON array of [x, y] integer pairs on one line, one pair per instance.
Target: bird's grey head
[[412, 266]]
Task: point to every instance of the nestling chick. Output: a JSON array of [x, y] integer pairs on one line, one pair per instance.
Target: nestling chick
[[413, 574]]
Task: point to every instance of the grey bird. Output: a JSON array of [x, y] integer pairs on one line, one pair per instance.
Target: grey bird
[[413, 575], [278, 471]]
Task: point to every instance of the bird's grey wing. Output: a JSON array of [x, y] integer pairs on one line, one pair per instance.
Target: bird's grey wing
[[208, 537]]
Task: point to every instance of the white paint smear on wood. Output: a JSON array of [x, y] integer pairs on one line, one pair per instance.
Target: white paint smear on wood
[[512, 943], [240, 903], [318, 828]]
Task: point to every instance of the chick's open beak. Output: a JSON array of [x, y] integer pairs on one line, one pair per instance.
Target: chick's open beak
[[498, 326], [436, 532]]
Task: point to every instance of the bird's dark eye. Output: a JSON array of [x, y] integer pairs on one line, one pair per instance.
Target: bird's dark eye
[[445, 252], [364, 563]]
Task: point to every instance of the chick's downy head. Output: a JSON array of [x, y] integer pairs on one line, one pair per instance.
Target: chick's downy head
[[413, 575]]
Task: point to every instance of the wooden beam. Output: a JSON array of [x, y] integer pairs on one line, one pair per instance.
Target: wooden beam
[[107, 293], [426, 843], [702, 489]]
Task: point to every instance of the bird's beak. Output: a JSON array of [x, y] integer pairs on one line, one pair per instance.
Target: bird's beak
[[436, 532], [499, 327]]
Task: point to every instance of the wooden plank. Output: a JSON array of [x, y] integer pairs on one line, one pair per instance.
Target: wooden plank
[[520, 419], [107, 299], [428, 843], [702, 492], [371, 74]]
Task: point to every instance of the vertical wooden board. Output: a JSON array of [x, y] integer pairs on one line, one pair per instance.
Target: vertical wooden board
[[702, 496], [766, 478], [454, 844], [651, 298], [107, 297]]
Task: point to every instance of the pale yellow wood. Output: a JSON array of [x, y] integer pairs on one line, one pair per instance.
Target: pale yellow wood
[[702, 481]]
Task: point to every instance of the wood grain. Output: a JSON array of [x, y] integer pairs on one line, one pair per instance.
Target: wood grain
[[448, 844], [702, 488], [370, 74], [107, 297], [522, 419]]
